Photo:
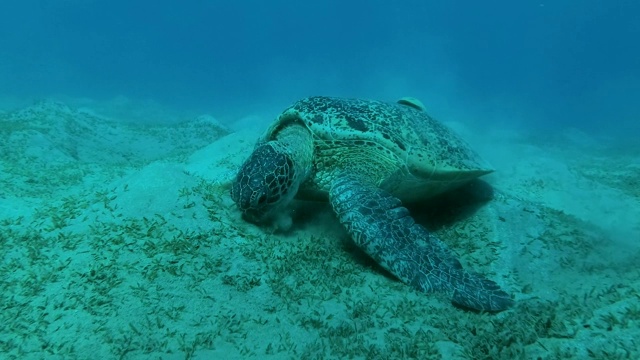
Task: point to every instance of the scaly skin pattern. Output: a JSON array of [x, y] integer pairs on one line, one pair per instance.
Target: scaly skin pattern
[[367, 155], [401, 148], [381, 227], [269, 179], [265, 177]]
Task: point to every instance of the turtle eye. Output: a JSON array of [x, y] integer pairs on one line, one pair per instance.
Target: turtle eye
[[262, 199]]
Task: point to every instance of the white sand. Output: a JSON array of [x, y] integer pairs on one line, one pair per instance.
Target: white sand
[[120, 241]]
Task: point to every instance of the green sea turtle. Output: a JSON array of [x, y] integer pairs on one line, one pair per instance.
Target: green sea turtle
[[366, 157]]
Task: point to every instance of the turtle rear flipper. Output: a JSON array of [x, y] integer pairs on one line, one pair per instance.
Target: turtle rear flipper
[[383, 228]]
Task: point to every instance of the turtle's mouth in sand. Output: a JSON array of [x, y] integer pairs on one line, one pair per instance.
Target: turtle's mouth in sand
[[252, 204], [255, 216]]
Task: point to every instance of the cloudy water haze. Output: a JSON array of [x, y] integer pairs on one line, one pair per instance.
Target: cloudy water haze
[[562, 63], [124, 127]]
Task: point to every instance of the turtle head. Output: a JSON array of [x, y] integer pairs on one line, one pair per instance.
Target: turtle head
[[265, 183]]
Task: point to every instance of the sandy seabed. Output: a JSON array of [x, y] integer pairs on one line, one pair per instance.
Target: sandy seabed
[[120, 241]]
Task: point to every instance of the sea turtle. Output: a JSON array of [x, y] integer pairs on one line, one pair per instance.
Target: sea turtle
[[367, 156]]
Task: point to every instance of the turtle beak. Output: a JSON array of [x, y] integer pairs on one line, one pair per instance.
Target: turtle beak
[[253, 216], [247, 195]]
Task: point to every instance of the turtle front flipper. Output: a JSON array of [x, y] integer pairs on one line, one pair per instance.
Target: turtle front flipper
[[384, 229]]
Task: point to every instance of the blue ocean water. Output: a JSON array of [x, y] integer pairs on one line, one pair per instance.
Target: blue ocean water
[[124, 123], [566, 63]]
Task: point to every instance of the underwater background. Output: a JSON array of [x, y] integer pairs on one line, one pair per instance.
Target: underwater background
[[564, 63], [123, 123]]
